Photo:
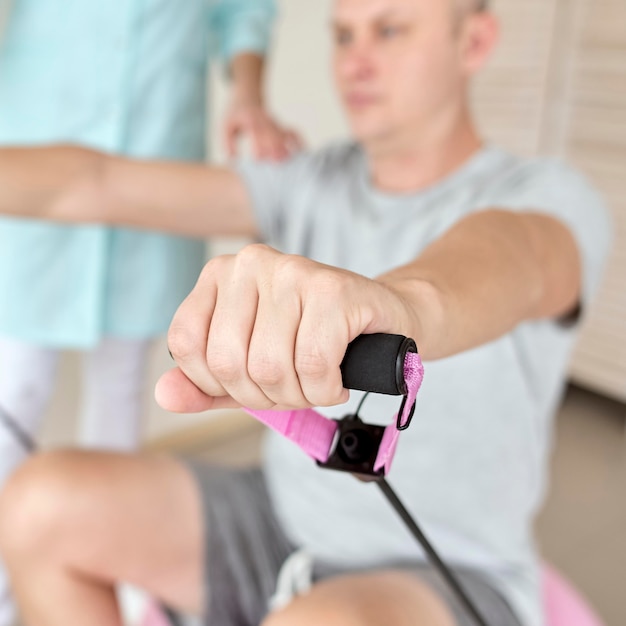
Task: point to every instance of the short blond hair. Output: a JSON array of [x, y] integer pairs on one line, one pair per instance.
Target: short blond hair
[[473, 6]]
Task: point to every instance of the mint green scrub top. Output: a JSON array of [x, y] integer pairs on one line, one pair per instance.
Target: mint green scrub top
[[126, 77]]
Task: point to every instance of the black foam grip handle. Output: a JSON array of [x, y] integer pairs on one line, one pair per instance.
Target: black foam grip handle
[[376, 363]]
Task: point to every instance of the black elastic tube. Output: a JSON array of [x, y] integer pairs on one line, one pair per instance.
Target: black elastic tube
[[376, 363], [17, 432], [446, 573]]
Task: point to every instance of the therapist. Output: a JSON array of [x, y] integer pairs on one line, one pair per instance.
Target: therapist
[[126, 77]]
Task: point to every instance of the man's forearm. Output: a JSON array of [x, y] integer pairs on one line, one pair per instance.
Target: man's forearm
[[487, 274], [181, 198], [77, 185], [43, 182]]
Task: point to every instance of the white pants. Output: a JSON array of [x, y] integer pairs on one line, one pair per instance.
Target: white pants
[[110, 412]]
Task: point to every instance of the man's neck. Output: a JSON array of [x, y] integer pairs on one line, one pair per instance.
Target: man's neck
[[410, 164]]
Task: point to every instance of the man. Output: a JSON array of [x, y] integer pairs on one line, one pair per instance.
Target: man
[[484, 259]]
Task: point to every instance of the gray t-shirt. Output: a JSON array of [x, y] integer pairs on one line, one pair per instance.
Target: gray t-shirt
[[472, 466]]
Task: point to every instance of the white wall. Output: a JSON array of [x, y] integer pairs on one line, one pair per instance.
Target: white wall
[[4, 9]]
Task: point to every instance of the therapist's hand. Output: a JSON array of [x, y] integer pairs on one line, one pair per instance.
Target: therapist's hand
[[267, 330], [269, 140]]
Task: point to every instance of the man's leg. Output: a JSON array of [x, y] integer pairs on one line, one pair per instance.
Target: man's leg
[[73, 524], [27, 375], [113, 395], [387, 598]]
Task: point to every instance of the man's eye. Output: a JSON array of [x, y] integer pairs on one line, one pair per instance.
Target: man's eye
[[343, 38], [387, 32]]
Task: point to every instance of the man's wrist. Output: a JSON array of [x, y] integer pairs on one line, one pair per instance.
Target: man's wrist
[[421, 311], [80, 196]]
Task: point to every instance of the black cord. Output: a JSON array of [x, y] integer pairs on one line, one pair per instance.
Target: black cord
[[358, 408], [448, 576], [172, 616], [23, 438]]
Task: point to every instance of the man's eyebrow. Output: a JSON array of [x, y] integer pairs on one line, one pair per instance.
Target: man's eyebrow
[[387, 13]]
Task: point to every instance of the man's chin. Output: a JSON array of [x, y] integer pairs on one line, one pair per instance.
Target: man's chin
[[371, 136], [365, 131]]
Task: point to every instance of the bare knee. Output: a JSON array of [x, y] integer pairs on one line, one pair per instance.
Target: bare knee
[[329, 602], [388, 597], [33, 503], [312, 614]]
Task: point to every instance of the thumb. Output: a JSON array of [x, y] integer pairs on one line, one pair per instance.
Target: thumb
[[176, 393]]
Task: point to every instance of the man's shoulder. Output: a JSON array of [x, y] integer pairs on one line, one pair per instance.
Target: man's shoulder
[[335, 156], [542, 174], [338, 153], [554, 187], [304, 172], [339, 157]]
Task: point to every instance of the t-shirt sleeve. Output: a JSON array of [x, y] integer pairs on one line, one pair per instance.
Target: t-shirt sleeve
[[242, 26], [553, 188], [271, 186]]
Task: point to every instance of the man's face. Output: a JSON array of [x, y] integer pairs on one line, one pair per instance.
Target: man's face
[[397, 64]]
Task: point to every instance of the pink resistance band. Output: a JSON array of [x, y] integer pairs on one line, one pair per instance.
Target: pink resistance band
[[315, 434]]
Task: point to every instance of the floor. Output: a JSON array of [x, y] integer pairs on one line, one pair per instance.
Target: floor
[[582, 528]]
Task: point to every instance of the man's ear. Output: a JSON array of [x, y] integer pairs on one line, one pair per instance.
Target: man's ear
[[478, 37]]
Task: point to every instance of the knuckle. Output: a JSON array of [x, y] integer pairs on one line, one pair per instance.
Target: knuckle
[[266, 372], [224, 365], [213, 269], [311, 364], [331, 284], [183, 343], [253, 254], [291, 270]]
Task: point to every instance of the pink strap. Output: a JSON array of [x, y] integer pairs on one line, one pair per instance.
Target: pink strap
[[315, 434], [307, 428], [413, 376]]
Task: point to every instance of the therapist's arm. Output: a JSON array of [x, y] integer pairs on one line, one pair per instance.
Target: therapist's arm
[[247, 114], [78, 185]]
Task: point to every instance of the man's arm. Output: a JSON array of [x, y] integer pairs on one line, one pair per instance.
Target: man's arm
[[264, 329], [488, 273], [73, 184]]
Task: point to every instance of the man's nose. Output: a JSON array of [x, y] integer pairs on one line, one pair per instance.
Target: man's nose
[[357, 63]]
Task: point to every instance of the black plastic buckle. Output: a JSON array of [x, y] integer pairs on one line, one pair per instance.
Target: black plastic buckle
[[356, 448], [399, 424]]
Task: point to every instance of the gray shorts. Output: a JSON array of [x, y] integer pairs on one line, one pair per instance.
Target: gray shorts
[[246, 547]]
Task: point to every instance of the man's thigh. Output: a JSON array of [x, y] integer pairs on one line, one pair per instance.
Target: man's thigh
[[116, 517], [389, 598], [405, 595]]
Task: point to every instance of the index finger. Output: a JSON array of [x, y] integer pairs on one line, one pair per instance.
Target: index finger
[[188, 334]]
